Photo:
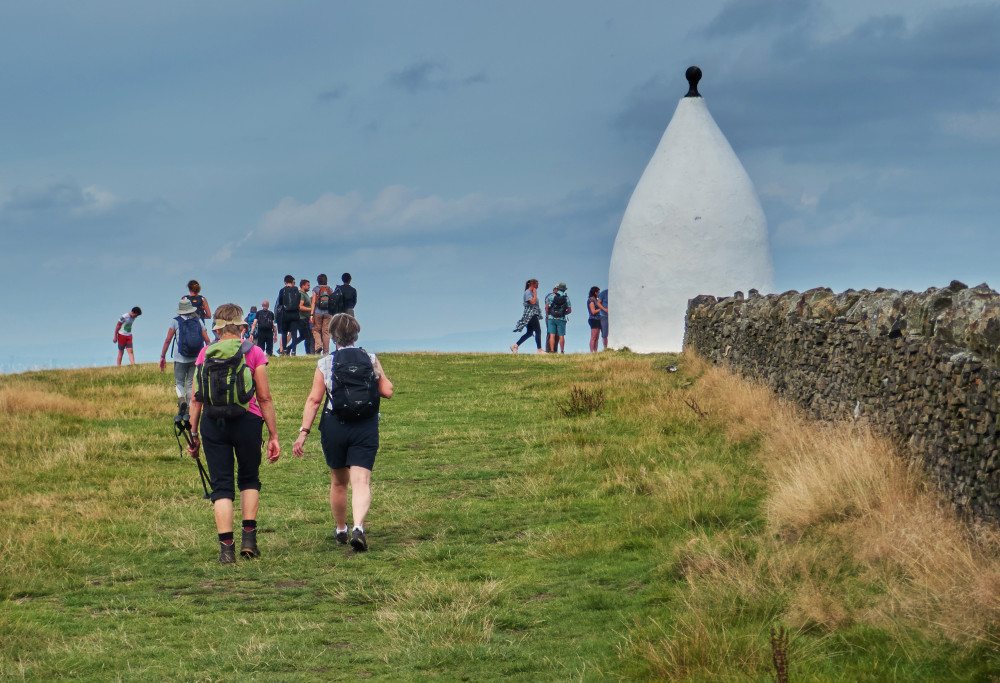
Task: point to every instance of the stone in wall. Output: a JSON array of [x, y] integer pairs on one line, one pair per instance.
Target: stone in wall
[[920, 367]]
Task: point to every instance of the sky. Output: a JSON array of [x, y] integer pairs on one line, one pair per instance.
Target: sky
[[445, 152]]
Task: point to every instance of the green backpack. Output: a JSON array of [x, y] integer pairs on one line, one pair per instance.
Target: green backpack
[[224, 383]]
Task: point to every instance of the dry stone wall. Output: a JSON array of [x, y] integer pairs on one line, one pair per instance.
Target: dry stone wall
[[920, 367]]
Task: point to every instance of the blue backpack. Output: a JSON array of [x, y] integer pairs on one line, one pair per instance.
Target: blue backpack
[[189, 339]]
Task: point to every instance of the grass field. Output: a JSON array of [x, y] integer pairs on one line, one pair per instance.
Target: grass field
[[661, 536]]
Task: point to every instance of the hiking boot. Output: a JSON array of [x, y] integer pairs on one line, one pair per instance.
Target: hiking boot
[[358, 541], [227, 553], [248, 545], [342, 536]]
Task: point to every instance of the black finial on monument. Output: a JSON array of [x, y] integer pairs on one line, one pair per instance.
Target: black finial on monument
[[693, 74]]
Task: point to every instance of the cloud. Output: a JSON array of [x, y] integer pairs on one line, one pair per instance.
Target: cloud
[[428, 75], [332, 95], [980, 126], [396, 210], [400, 216], [226, 251], [744, 16], [866, 94], [648, 109], [66, 201], [62, 196]]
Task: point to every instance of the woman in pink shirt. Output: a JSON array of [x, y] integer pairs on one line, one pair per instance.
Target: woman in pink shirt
[[231, 433]]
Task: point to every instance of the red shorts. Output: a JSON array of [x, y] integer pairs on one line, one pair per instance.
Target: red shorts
[[124, 341]]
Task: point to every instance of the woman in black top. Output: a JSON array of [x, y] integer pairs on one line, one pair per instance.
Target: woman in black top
[[200, 303]]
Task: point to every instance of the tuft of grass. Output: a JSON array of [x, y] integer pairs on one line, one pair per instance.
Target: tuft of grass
[[582, 401]]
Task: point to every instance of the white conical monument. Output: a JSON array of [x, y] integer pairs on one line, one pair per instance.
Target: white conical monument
[[693, 226]]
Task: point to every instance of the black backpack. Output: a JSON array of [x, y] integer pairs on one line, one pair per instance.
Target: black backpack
[[337, 301], [199, 303], [265, 320], [558, 305], [224, 382], [355, 388], [189, 339], [290, 302]]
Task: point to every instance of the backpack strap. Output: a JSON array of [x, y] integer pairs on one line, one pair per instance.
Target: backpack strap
[[328, 403], [174, 340]]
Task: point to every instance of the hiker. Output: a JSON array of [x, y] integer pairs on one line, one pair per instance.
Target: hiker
[[348, 428], [188, 331], [249, 320], [594, 309], [555, 290], [200, 302], [305, 316], [231, 426], [604, 316], [530, 318], [557, 307], [263, 329], [345, 296], [287, 312], [123, 334], [322, 302]]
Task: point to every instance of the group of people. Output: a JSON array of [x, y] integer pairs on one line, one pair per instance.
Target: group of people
[[196, 307], [223, 389], [223, 393], [557, 308], [300, 316]]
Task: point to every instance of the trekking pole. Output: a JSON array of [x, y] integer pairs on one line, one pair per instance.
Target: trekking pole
[[204, 478], [183, 428]]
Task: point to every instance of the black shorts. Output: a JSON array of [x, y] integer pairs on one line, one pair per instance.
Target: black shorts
[[595, 323], [229, 442], [348, 444]]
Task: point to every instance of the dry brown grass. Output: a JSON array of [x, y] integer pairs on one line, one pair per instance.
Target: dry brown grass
[[841, 494], [26, 401], [691, 648]]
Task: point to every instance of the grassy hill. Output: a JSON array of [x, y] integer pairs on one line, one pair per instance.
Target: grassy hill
[[514, 533]]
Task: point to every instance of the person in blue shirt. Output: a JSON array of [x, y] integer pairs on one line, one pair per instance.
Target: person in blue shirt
[[604, 316], [594, 309], [557, 307], [183, 365]]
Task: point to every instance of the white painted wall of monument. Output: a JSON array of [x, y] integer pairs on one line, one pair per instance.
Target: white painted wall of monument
[[694, 225]]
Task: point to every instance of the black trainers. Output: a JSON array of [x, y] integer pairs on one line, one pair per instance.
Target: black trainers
[[248, 544], [227, 553], [358, 541], [342, 536]]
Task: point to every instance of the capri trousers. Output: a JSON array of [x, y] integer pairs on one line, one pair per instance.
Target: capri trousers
[[232, 442]]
